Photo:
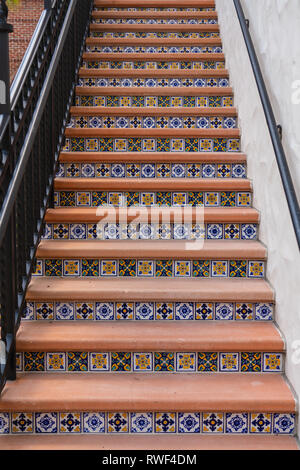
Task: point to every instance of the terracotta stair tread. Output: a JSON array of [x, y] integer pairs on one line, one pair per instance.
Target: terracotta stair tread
[[153, 184], [155, 91], [91, 214], [148, 442], [151, 133], [147, 290], [148, 249], [155, 3], [156, 157], [222, 392], [153, 56], [154, 14], [84, 72], [153, 111], [138, 336], [154, 41], [188, 28]]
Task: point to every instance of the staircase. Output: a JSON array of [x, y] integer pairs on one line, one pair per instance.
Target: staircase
[[149, 321]]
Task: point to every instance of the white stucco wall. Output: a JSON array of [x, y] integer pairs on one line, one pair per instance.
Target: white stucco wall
[[274, 26]]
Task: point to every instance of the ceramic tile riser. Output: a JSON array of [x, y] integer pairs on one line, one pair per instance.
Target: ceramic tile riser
[[156, 332]]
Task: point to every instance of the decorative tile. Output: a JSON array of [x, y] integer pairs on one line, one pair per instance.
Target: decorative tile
[[55, 361], [104, 311], [78, 361], [249, 232], [118, 423], [250, 362], [182, 268], [184, 311], [164, 362], [34, 361], [4, 423], [71, 268], [164, 268], [204, 311], [229, 362], [238, 268], [232, 231], [144, 311], [127, 267], [141, 422], [46, 423], [121, 361], [207, 362], [201, 268], [284, 423], [236, 423], [64, 311], [93, 423], [165, 422], [70, 422], [244, 312], [213, 422], [256, 269], [90, 267], [108, 268], [142, 362], [185, 362], [189, 422], [124, 311], [44, 311], [84, 311], [264, 312], [272, 362], [21, 423], [164, 311], [219, 268], [99, 362], [261, 423]]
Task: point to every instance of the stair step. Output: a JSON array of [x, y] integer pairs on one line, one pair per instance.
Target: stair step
[[184, 28], [154, 14], [187, 74], [146, 442], [151, 336], [141, 100], [153, 184], [150, 290], [158, 157], [153, 49], [95, 32], [211, 215], [142, 392], [91, 41], [155, 3], [158, 249], [154, 111], [167, 91]]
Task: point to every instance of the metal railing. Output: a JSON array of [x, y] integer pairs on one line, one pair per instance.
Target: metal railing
[[30, 140], [274, 129]]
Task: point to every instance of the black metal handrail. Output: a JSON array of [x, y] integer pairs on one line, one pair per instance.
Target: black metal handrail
[[282, 163], [30, 141]]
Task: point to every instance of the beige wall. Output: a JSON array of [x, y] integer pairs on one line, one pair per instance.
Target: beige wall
[[274, 26]]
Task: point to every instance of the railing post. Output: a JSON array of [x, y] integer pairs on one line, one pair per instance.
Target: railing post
[[8, 340], [5, 29]]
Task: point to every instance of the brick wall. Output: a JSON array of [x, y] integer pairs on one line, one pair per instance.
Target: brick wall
[[24, 19]]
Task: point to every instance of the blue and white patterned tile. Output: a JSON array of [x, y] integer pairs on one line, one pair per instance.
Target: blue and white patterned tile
[[189, 422], [144, 311], [46, 423], [236, 423], [104, 311], [141, 423], [94, 423]]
